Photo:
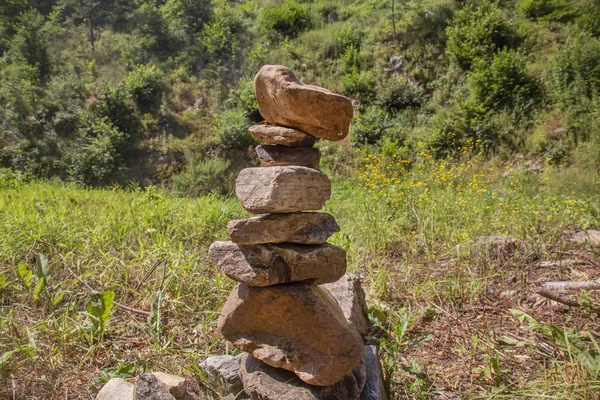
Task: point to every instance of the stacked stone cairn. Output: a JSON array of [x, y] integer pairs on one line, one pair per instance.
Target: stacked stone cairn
[[277, 313]]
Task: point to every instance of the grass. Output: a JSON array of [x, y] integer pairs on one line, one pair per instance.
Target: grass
[[442, 313]]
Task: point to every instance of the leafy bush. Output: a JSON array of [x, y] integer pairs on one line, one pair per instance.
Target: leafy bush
[[231, 133], [30, 44], [503, 82], [551, 10], [344, 38], [113, 105], [478, 31], [372, 126], [146, 86], [361, 85], [397, 93], [576, 69], [96, 155], [203, 177], [463, 126], [289, 20]]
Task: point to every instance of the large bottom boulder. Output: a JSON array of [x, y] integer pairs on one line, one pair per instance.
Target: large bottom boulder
[[263, 382], [297, 327]]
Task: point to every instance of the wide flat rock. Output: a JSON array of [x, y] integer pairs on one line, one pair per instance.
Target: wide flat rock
[[267, 383], [282, 189], [284, 100], [271, 264], [271, 156], [350, 296], [303, 228], [149, 387], [296, 326], [281, 135], [116, 389]]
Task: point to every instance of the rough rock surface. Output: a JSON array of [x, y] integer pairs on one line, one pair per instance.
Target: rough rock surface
[[284, 100], [374, 387], [282, 189], [281, 135], [267, 383], [116, 389], [303, 228], [350, 296], [148, 387], [176, 385], [295, 326], [271, 156], [223, 374], [272, 264], [590, 236]]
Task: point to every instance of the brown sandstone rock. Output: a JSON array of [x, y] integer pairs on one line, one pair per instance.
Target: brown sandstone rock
[[284, 100], [271, 156], [294, 326], [281, 135], [271, 264], [282, 189], [267, 383], [116, 389], [304, 228], [350, 296]]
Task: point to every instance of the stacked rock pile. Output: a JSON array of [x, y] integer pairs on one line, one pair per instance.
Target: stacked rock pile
[[277, 313]]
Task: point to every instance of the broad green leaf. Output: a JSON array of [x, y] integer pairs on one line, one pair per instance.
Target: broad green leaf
[[42, 267], [39, 288], [24, 274], [99, 308]]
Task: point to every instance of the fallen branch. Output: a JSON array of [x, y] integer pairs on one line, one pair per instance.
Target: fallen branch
[[584, 285], [558, 298]]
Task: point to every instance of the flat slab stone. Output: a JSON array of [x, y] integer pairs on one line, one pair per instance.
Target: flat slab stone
[[116, 389], [271, 156], [296, 326], [374, 387], [304, 228], [149, 387], [267, 383], [176, 385], [282, 189], [222, 374], [281, 135], [350, 296], [271, 264], [283, 100]]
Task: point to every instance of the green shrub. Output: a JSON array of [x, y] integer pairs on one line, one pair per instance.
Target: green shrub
[[397, 93], [203, 177], [344, 38], [145, 85], [359, 84], [551, 10], [232, 134], [503, 82], [97, 154], [371, 126], [588, 17], [576, 69], [113, 105], [463, 126], [478, 31], [30, 44], [289, 20]]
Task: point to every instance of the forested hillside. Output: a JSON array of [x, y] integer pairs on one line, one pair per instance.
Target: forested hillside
[[159, 92], [468, 190]]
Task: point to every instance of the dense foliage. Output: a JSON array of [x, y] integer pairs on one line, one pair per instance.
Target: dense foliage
[[160, 91]]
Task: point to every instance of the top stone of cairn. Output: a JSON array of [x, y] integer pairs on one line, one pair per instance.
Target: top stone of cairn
[[284, 100]]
